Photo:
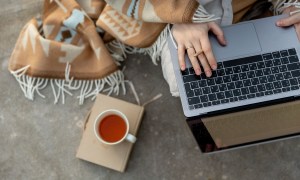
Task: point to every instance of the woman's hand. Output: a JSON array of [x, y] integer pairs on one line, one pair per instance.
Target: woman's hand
[[291, 20], [193, 38]]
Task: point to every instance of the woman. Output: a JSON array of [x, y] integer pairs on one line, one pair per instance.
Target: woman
[[192, 38], [66, 50]]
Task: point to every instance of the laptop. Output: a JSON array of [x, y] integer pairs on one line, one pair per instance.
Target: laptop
[[259, 66]]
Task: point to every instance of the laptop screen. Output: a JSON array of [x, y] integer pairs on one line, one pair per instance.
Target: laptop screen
[[208, 145], [247, 127]]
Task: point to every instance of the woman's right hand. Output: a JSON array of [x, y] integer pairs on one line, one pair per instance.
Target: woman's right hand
[[193, 38], [293, 19]]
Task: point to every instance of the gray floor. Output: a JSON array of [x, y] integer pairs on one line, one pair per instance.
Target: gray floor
[[38, 140]]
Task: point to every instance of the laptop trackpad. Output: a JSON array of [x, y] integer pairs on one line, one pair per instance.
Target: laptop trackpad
[[241, 40]]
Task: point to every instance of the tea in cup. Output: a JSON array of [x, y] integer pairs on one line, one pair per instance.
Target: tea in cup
[[112, 127]]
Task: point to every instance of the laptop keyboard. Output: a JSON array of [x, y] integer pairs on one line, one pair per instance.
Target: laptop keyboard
[[242, 79]]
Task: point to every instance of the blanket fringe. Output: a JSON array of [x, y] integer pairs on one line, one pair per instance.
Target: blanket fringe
[[201, 16], [31, 86], [279, 6], [118, 54], [153, 51]]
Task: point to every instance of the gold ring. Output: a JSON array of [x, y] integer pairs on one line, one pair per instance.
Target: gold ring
[[198, 53], [189, 47]]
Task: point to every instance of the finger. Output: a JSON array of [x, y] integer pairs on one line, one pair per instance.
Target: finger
[[205, 64], [198, 48], [194, 60], [287, 10], [181, 52], [218, 32], [289, 20], [297, 27], [206, 47]]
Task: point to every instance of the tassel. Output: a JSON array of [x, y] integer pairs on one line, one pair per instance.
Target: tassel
[[279, 6], [153, 51], [201, 16], [62, 87]]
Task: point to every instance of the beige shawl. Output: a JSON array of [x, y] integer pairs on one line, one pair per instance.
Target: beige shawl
[[65, 48]]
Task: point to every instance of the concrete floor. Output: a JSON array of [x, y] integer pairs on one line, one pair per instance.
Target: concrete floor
[[38, 140]]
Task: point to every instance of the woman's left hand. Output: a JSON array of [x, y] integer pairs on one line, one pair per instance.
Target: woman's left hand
[[291, 20]]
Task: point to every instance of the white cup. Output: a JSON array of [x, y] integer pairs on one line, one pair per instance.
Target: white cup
[[101, 116]]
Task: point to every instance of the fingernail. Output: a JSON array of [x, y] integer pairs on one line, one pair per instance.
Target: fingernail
[[182, 68], [208, 73], [278, 23], [198, 72], [214, 67]]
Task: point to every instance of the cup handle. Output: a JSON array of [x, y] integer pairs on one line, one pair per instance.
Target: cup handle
[[131, 138]]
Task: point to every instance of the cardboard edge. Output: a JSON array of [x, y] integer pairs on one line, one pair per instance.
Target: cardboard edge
[[87, 117]]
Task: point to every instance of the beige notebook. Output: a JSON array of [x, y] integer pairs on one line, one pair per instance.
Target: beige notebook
[[110, 156]]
